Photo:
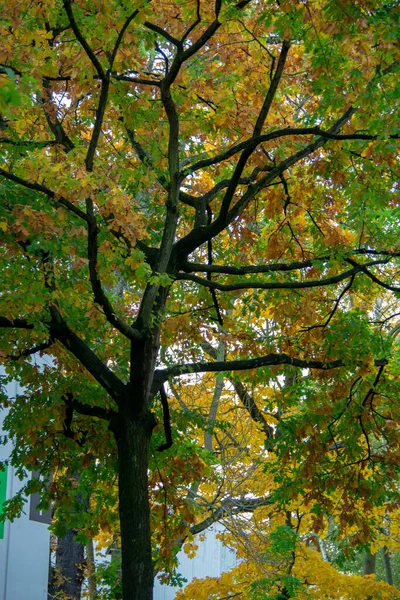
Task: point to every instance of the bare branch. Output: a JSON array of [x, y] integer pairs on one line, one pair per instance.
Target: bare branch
[[247, 400], [336, 306]]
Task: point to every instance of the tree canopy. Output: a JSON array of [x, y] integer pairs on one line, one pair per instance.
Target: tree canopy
[[199, 200]]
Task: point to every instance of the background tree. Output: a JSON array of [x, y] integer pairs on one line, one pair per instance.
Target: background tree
[[183, 174]]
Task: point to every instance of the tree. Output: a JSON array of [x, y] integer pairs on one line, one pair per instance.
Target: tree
[[168, 170], [281, 555]]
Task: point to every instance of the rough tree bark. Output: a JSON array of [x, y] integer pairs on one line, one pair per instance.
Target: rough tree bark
[[69, 567], [133, 438]]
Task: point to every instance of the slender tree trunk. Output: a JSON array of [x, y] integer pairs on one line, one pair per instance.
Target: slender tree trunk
[[369, 563], [91, 570], [369, 566], [388, 565], [69, 567], [133, 438]]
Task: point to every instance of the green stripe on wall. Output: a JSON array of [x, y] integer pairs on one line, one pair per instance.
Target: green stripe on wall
[[3, 496]]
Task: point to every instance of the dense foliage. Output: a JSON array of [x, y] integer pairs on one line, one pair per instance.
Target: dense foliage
[[199, 201]]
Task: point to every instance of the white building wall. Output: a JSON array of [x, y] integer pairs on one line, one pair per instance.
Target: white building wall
[[24, 547], [211, 560]]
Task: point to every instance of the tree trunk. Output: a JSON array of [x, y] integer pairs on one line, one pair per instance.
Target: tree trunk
[[133, 438], [91, 570], [369, 563], [69, 567], [388, 565], [369, 566]]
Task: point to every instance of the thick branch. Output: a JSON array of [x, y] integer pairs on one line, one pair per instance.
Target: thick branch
[[279, 285], [250, 405], [87, 409], [246, 364], [121, 35], [231, 506], [85, 355], [53, 122], [191, 267], [242, 162], [81, 39], [171, 219], [193, 25], [269, 360], [15, 323], [167, 36], [182, 57], [58, 330], [101, 107], [272, 89], [202, 40], [147, 160], [247, 400], [267, 137], [279, 169], [167, 421], [139, 80]]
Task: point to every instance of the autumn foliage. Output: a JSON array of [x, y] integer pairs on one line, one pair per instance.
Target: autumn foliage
[[199, 226]]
